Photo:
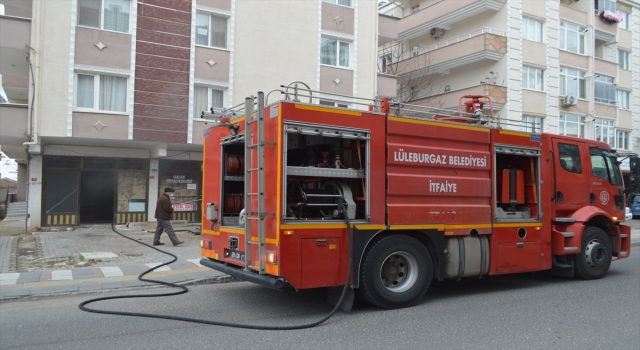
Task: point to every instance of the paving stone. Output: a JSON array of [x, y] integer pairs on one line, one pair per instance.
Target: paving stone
[[26, 277], [178, 266], [136, 283], [66, 288]]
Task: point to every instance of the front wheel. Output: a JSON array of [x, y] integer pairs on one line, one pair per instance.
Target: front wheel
[[396, 272], [594, 260]]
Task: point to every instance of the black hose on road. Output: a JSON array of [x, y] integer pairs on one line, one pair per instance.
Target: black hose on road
[[184, 289]]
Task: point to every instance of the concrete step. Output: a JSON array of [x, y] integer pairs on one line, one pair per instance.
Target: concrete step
[[17, 209]]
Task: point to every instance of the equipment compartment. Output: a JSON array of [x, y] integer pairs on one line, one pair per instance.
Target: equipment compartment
[[325, 167]]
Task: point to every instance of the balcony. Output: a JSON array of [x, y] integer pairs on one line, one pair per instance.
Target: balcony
[[480, 45], [15, 36], [605, 29], [442, 15], [450, 99], [387, 29], [13, 124]]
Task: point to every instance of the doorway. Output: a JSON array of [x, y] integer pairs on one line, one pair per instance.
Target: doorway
[[97, 193]]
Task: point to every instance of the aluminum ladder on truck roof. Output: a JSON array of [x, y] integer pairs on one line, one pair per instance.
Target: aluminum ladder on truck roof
[[254, 129]]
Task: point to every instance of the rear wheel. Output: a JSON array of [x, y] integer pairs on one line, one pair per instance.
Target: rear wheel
[[594, 260], [396, 272]]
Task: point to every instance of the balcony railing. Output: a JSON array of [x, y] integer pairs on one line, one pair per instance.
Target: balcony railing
[[456, 40]]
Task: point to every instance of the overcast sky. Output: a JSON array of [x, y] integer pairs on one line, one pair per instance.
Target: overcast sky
[[8, 167]]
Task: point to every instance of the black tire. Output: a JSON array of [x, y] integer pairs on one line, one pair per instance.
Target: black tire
[[396, 272], [594, 260]]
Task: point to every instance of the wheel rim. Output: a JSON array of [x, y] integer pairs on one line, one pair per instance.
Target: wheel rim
[[399, 272], [595, 253]]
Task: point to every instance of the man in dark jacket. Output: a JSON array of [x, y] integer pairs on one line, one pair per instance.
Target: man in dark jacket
[[163, 214]]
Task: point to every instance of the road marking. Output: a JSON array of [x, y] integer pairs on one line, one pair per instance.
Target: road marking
[[111, 271]]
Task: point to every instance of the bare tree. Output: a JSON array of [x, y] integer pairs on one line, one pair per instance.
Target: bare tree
[[412, 66]]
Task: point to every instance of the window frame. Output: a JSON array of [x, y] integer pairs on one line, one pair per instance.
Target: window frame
[[532, 123], [626, 139], [338, 57], [337, 2], [535, 85], [604, 84], [622, 99], [96, 93], [623, 59], [580, 37], [526, 33], [210, 16], [562, 124], [624, 24], [572, 155], [101, 19], [604, 5], [210, 90], [604, 130], [579, 77]]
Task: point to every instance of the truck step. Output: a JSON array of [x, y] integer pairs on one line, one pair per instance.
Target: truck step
[[565, 220], [568, 234], [570, 249]]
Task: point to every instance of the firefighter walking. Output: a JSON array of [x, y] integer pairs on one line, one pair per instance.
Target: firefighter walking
[[164, 210]]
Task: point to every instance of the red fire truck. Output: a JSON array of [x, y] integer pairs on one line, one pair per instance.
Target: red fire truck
[[296, 190]]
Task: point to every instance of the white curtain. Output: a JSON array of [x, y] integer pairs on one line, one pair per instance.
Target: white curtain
[[113, 93], [116, 15], [202, 29], [89, 13], [328, 52], [200, 101], [218, 32], [344, 54], [84, 90], [216, 98]]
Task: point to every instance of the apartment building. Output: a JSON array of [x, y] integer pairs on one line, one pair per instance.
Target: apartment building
[[104, 97], [568, 67]]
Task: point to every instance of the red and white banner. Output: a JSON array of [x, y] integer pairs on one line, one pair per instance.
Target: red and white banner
[[182, 207]]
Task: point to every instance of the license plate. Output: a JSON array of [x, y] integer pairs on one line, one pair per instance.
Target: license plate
[[234, 254]]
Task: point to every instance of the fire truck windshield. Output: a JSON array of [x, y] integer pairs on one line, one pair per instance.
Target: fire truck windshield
[[605, 165]]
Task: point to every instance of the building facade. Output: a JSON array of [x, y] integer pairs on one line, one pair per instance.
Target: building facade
[[568, 67], [112, 111]]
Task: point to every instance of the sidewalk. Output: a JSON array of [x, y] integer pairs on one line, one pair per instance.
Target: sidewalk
[[94, 258]]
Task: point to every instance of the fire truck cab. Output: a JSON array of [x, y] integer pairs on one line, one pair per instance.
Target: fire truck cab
[[388, 199]]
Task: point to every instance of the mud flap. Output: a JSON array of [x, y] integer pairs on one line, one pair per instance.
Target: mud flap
[[333, 296]]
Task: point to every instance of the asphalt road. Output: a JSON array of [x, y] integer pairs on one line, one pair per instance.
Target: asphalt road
[[506, 312]]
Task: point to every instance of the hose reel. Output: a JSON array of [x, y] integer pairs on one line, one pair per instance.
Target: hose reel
[[320, 203]]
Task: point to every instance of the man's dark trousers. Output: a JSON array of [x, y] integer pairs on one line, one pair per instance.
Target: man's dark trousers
[[166, 226]]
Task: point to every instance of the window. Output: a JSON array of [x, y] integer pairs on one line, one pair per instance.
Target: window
[[604, 5], [334, 52], [623, 139], [105, 14], [603, 130], [385, 63], [204, 98], [604, 90], [531, 29], [332, 104], [211, 30], [571, 37], [572, 82], [604, 165], [532, 78], [623, 59], [531, 123], [101, 92], [571, 124], [570, 157], [624, 24], [415, 8], [413, 91], [339, 2], [623, 99]]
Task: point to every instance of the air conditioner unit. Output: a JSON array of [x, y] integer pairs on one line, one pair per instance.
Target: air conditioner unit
[[436, 33], [569, 100]]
